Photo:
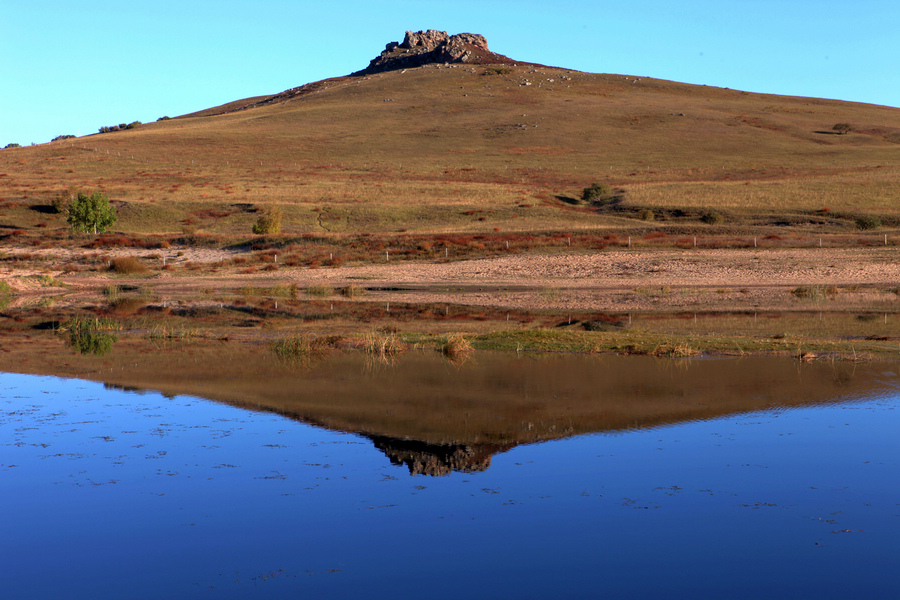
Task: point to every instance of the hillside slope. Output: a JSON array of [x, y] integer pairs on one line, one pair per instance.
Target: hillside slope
[[474, 147]]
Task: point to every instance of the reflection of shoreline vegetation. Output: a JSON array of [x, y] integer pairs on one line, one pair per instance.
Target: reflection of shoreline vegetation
[[163, 332], [302, 346], [89, 336], [870, 328]]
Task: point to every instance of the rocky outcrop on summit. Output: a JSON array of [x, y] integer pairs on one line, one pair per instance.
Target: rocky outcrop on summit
[[425, 47]]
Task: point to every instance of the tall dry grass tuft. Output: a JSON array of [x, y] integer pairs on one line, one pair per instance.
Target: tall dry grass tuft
[[127, 265], [320, 290], [456, 345], [300, 346], [383, 346], [352, 291]]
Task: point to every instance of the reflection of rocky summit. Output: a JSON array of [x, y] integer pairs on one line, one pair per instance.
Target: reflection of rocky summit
[[437, 459], [424, 47]]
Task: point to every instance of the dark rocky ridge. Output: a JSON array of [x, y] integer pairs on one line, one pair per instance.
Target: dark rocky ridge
[[420, 48]]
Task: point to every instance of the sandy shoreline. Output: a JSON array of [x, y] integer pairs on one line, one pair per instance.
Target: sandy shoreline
[[702, 279]]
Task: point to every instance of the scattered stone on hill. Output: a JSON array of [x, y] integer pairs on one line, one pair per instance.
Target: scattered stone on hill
[[426, 47]]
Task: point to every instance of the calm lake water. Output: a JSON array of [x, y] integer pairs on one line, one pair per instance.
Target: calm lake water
[[502, 477]]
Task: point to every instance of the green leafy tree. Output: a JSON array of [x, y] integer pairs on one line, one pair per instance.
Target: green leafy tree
[[92, 212]]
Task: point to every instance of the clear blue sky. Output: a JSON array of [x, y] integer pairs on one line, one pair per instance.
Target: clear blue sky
[[69, 67]]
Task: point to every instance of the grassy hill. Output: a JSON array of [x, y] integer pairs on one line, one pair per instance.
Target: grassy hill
[[467, 148]]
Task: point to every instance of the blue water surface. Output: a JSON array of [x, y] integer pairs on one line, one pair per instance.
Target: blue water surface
[[115, 494]]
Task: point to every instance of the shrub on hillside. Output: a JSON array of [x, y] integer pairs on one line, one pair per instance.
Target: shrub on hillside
[[269, 222], [119, 127], [598, 194], [842, 128], [62, 137], [497, 71], [13, 145], [712, 218], [868, 222], [646, 215], [64, 199]]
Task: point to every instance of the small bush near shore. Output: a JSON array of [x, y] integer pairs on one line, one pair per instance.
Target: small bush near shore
[[299, 345], [383, 345], [127, 265], [455, 345]]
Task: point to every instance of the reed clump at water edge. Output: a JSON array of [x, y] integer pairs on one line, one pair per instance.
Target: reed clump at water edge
[[383, 345], [456, 345]]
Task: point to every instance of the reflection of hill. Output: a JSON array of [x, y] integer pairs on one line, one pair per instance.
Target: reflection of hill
[[437, 459], [435, 417]]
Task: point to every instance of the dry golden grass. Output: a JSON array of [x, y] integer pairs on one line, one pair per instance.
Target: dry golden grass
[[440, 149]]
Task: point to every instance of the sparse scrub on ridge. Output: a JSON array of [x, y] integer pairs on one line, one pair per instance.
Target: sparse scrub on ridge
[[119, 127]]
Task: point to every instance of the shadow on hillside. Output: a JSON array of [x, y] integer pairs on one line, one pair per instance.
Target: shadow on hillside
[[610, 202], [45, 209]]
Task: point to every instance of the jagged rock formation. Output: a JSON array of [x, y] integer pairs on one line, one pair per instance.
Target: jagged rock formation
[[425, 47], [422, 458]]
